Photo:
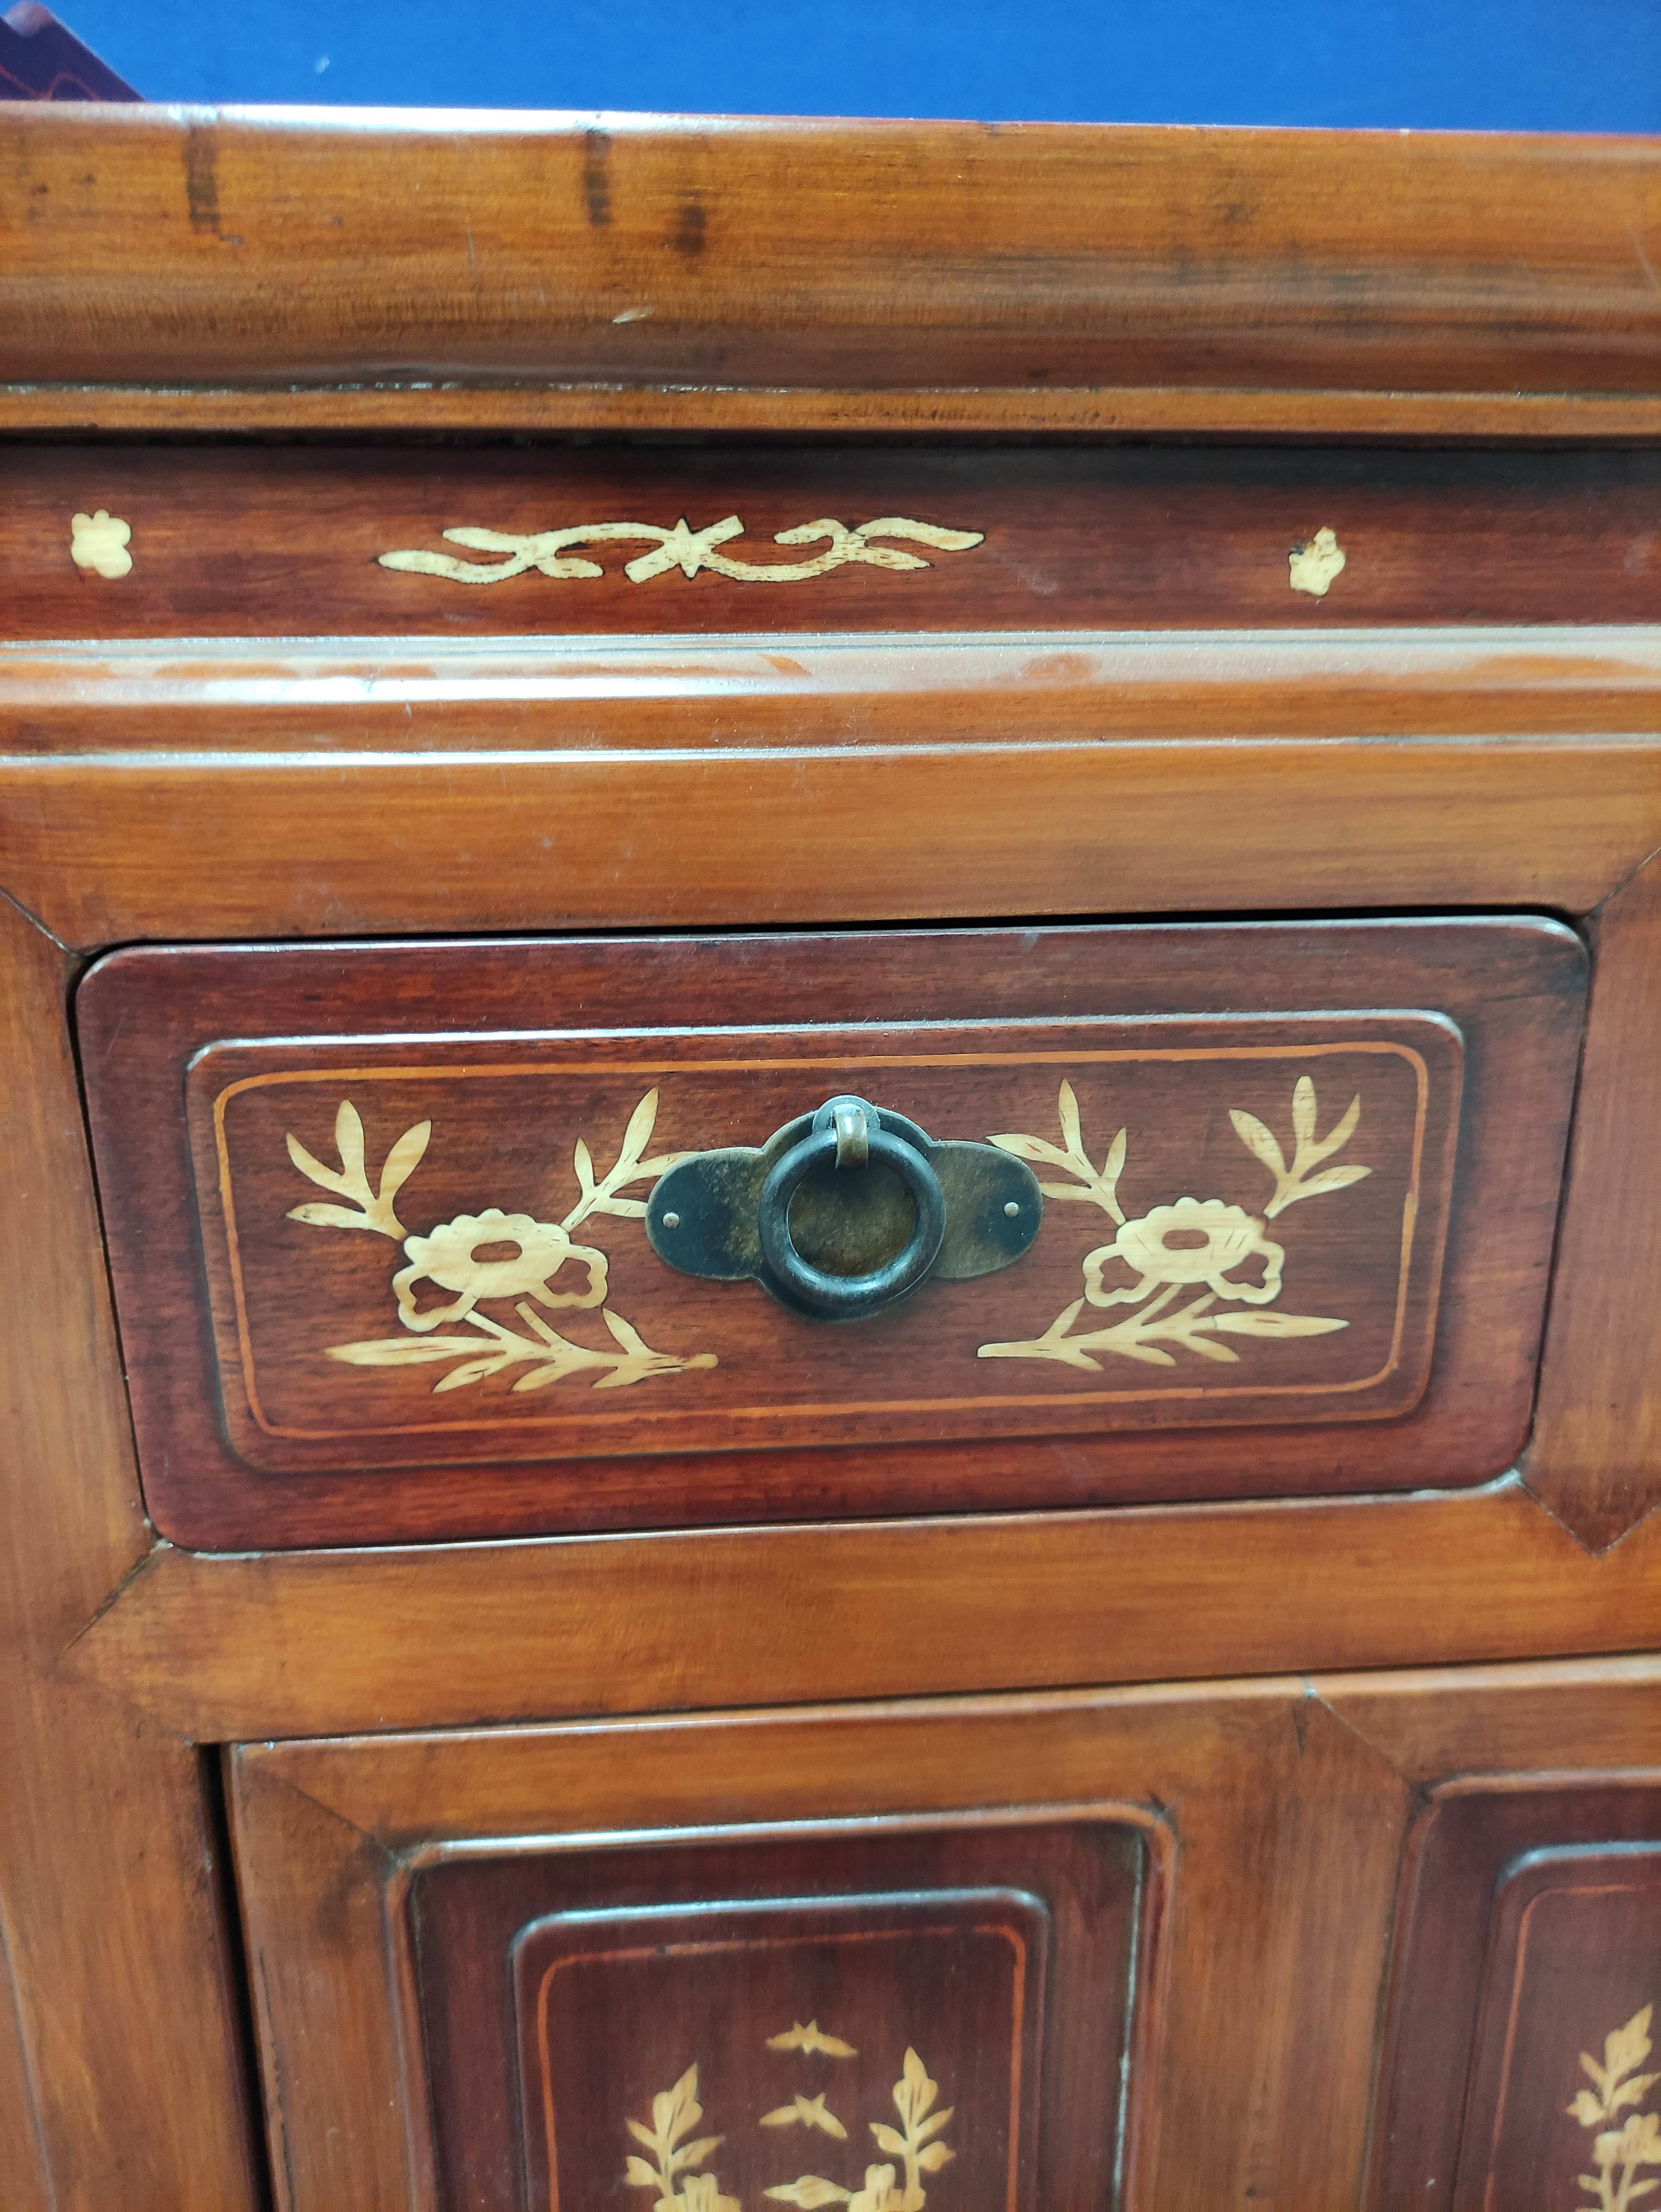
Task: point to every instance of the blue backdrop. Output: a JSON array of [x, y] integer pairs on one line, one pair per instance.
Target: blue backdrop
[[1484, 64]]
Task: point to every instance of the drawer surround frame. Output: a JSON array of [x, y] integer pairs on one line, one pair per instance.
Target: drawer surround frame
[[192, 1635]]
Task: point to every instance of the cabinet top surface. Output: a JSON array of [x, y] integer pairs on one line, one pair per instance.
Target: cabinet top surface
[[567, 271]]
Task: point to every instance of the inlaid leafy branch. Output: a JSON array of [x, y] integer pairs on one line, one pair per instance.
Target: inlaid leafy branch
[[917, 2141], [915, 2144], [370, 1207], [629, 1167], [674, 2113], [1139, 1336], [555, 1355], [492, 1256], [1097, 1186], [1206, 1245], [1619, 2151], [1298, 1181]]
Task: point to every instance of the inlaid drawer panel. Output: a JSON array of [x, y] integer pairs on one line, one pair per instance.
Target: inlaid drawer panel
[[444, 1239]]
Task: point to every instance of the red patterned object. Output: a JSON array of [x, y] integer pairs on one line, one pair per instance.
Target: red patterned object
[[40, 60]]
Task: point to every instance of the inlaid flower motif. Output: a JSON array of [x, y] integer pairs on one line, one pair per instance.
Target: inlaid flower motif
[[1194, 1241], [701, 2192], [878, 2194], [448, 1258]]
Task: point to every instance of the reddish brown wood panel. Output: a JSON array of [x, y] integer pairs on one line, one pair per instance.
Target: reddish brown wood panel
[[804, 1992], [195, 791], [288, 540], [159, 244], [285, 1289], [1596, 1458], [1527, 1973], [498, 1270], [395, 407], [120, 2065]]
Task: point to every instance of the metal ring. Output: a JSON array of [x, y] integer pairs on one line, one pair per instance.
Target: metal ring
[[847, 1298]]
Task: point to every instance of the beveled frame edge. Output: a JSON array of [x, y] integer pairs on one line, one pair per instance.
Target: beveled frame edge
[[1061, 775], [1098, 413], [456, 1634]]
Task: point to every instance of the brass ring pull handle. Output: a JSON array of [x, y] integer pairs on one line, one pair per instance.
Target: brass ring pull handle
[[848, 1135], [844, 1212]]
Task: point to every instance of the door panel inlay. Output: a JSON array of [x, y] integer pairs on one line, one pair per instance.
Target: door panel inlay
[[807, 2118]]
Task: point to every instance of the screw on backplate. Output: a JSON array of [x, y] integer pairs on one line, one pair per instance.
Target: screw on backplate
[[671, 1221]]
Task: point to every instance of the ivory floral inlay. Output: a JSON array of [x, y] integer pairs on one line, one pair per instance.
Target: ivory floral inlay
[[1621, 2147], [99, 542], [1181, 1246], [1315, 567], [477, 1258], [914, 2148], [549, 551]]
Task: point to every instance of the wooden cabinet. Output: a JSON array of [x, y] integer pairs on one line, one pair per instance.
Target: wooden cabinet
[[829, 1048]]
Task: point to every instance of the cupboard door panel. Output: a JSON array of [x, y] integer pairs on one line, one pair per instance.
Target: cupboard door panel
[[1528, 1967], [1134, 1940]]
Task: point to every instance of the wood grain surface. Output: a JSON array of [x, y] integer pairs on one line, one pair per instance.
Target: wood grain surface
[[1115, 704], [184, 793], [301, 1459], [443, 1636], [286, 541], [124, 2052], [255, 248], [1122, 413], [1603, 1349]]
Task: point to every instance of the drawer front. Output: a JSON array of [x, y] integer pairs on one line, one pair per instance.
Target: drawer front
[[453, 1239]]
